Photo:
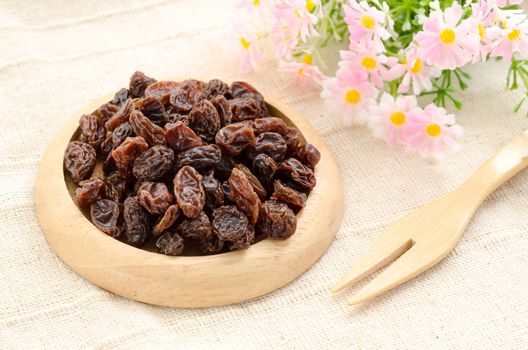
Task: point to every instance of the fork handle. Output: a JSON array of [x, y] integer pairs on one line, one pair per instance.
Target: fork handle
[[506, 163]]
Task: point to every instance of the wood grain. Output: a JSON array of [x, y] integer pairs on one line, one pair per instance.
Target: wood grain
[[187, 281]]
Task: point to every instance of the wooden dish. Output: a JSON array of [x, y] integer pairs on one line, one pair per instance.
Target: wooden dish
[[186, 281]]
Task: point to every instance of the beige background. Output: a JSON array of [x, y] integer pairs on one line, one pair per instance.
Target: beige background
[[57, 55]]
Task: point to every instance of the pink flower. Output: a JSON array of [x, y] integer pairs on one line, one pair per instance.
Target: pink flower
[[390, 117], [296, 14], [512, 38], [446, 43], [245, 49], [304, 72], [432, 132], [502, 3], [484, 16], [351, 94], [415, 73], [256, 7], [283, 40], [365, 24], [367, 59]]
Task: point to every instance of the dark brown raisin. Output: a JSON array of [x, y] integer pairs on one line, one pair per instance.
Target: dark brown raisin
[[306, 154], [175, 117], [201, 158], [106, 111], [212, 246], [214, 196], [137, 221], [229, 223], [105, 216], [223, 108], [243, 89], [153, 109], [188, 94], [138, 83], [234, 138], [167, 220], [288, 195], [79, 160], [224, 166], [189, 191], [272, 144], [107, 144], [292, 138], [153, 164], [154, 197], [300, 175], [269, 124], [244, 196], [255, 183], [264, 168], [115, 187], [142, 126], [198, 229], [214, 87], [125, 155], [276, 220], [170, 243], [121, 133], [162, 90], [89, 191], [92, 130], [180, 137], [120, 97], [243, 242], [120, 116], [204, 120], [244, 109]]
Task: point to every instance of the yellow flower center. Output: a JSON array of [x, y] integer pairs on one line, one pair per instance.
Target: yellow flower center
[[433, 130], [447, 36], [398, 118], [368, 62], [514, 35], [481, 31], [310, 5], [368, 22], [307, 59], [300, 72], [245, 44], [504, 24], [352, 96], [256, 2], [417, 66]]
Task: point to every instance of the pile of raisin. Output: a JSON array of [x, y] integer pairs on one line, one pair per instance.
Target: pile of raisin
[[190, 166]]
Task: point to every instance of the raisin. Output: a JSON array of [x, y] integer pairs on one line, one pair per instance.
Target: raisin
[[276, 220], [229, 223], [292, 136], [226, 189], [180, 137], [223, 108], [142, 126], [212, 246], [120, 97], [243, 89], [138, 83], [115, 187], [106, 111], [201, 158], [105, 216], [92, 130], [301, 176], [189, 191], [197, 229], [154, 197], [244, 196], [153, 164], [269, 124], [204, 120], [244, 109], [167, 220], [214, 196], [255, 183], [234, 138], [107, 145], [89, 191], [175, 117], [187, 95], [162, 90], [288, 195], [79, 160], [120, 116], [245, 241], [121, 133], [214, 87], [137, 221], [153, 109], [307, 154], [224, 166], [109, 164], [125, 155], [170, 243], [264, 168], [272, 144]]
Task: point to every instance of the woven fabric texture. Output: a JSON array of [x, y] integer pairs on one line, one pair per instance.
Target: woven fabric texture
[[57, 55]]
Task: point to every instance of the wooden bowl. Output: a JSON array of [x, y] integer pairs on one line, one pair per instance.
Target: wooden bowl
[[186, 281]]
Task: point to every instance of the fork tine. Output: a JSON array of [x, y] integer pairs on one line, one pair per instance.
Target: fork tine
[[410, 264], [385, 249]]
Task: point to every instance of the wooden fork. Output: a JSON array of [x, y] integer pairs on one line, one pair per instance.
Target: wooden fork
[[425, 236]]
